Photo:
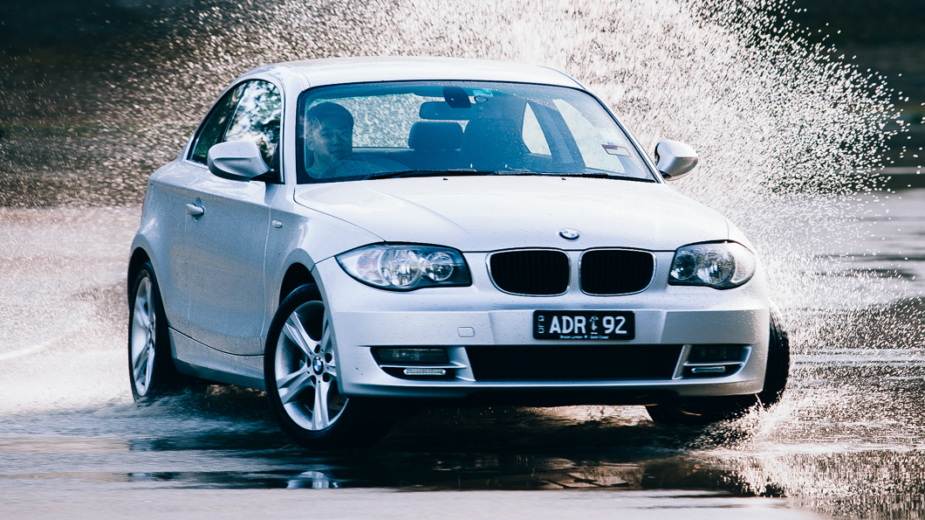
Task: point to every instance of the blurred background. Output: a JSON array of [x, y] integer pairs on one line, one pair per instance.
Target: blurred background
[[77, 76]]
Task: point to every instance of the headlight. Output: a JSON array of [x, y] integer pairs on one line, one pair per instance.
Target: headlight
[[405, 267], [721, 266]]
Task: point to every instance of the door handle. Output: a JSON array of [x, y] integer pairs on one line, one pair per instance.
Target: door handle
[[194, 210]]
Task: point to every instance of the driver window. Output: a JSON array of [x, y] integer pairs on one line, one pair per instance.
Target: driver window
[[257, 119], [214, 128]]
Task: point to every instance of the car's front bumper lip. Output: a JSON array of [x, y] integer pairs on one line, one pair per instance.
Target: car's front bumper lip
[[480, 315]]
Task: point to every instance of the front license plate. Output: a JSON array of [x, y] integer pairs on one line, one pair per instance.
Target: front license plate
[[595, 325]]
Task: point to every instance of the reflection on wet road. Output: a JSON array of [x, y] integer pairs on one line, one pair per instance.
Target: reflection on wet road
[[846, 440]]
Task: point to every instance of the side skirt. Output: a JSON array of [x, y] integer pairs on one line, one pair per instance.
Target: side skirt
[[199, 360]]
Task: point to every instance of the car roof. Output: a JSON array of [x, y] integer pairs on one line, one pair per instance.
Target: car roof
[[332, 71]]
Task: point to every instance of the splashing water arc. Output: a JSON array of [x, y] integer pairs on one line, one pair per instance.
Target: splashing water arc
[[774, 119], [783, 129]]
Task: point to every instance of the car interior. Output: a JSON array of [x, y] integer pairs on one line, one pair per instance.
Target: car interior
[[500, 133]]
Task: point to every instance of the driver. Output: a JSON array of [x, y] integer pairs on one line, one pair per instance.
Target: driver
[[328, 136]]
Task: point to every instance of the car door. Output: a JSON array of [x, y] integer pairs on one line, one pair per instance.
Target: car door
[[225, 240], [171, 190]]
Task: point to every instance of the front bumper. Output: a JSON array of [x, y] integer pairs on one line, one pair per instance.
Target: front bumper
[[364, 317]]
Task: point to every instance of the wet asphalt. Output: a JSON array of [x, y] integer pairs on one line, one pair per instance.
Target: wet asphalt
[[846, 440]]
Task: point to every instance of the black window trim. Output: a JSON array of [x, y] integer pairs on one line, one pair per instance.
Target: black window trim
[[637, 146], [208, 116], [271, 177]]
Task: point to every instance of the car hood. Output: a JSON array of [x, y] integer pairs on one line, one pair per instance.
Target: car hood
[[500, 212]]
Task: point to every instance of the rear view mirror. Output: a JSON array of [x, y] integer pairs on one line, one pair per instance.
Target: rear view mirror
[[236, 160], [440, 110], [456, 97], [674, 159]]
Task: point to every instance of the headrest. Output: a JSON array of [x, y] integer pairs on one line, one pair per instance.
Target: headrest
[[493, 144], [435, 136]]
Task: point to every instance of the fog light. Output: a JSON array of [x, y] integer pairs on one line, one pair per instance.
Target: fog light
[[715, 353], [424, 372], [698, 371], [412, 355]]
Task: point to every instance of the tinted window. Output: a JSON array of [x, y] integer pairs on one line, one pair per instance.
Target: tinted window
[[590, 128], [214, 128], [257, 117], [533, 134], [371, 130]]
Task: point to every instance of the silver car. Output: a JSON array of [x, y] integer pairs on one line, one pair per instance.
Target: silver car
[[355, 236]]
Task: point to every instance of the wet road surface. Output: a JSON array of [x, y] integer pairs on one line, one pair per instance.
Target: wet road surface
[[846, 441]]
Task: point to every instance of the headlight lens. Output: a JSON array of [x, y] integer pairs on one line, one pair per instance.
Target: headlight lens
[[721, 266], [405, 267]]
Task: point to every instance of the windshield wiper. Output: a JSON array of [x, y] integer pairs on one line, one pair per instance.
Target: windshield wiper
[[593, 173], [431, 173], [588, 173]]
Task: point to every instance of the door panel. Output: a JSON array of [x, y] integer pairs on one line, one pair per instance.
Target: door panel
[[165, 225], [226, 228], [225, 248]]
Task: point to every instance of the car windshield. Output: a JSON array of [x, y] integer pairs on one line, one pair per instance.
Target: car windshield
[[387, 130]]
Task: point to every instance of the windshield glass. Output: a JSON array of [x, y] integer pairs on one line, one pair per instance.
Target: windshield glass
[[380, 130]]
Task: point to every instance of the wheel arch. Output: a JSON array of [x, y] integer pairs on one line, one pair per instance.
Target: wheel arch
[[296, 276], [138, 259]]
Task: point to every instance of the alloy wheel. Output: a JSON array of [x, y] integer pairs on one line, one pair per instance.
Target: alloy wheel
[[306, 369], [143, 337]]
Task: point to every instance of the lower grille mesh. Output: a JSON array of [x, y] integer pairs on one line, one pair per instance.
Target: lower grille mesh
[[573, 362]]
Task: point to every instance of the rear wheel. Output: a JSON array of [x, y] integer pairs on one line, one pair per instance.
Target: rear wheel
[[151, 369], [707, 410], [301, 371]]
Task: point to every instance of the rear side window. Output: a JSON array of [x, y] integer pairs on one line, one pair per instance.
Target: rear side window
[[250, 112]]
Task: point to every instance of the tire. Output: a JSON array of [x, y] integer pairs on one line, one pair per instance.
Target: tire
[[152, 373], [301, 373], [702, 411], [775, 378], [708, 410]]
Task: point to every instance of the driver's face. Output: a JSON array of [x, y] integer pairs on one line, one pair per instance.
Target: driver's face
[[332, 140]]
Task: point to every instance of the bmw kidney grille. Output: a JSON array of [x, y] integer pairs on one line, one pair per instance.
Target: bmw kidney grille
[[546, 272]]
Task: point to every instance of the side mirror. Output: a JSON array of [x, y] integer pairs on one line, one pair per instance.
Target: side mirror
[[236, 160], [674, 159]]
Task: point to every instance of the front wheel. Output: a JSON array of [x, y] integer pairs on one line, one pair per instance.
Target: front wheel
[[707, 410], [151, 369], [301, 373]]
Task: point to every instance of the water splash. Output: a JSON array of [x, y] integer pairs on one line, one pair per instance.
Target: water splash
[[782, 127], [786, 131]]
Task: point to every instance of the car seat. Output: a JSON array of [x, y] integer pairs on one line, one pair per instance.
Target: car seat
[[435, 144], [493, 144]]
